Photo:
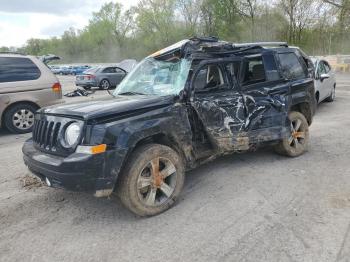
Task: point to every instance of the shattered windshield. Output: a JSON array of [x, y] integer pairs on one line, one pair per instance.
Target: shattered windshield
[[155, 77]]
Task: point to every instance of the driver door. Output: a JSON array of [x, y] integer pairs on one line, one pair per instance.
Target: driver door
[[323, 84], [219, 104]]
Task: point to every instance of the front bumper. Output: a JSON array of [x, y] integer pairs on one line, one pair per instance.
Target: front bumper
[[76, 172]]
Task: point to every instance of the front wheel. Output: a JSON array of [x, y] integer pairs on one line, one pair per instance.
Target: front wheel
[[331, 96], [297, 142], [152, 180]]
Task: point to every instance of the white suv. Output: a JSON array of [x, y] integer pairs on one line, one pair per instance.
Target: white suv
[[26, 84]]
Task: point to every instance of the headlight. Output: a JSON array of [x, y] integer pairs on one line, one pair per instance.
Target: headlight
[[72, 134]]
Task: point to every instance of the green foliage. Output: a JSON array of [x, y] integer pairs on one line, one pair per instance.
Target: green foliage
[[114, 34], [4, 49]]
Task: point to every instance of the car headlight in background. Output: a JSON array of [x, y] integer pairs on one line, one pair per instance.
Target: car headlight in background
[[72, 134]]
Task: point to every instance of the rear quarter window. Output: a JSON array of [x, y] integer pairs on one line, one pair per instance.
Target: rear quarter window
[[108, 70], [259, 69], [291, 66], [14, 69]]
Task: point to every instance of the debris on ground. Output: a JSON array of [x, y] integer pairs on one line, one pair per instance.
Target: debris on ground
[[79, 92], [30, 182]]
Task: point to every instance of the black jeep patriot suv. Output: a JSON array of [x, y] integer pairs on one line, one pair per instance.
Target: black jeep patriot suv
[[182, 106]]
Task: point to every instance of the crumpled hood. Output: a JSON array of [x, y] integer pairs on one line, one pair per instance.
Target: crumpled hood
[[110, 106]]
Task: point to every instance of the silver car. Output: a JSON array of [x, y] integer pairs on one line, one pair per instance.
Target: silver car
[[103, 77], [325, 82]]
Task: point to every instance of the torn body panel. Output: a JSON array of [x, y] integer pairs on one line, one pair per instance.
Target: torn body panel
[[243, 121]]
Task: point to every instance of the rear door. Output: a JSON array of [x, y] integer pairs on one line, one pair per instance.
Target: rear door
[[265, 96], [219, 104], [295, 71], [109, 74], [321, 82], [120, 74], [328, 81]]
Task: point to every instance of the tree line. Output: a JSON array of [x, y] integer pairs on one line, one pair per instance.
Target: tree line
[[320, 27]]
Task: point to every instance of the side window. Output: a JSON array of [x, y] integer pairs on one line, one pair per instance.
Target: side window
[[209, 77], [118, 70], [253, 71], [321, 69], [327, 67], [108, 70], [272, 73], [233, 69], [291, 66], [13, 69]]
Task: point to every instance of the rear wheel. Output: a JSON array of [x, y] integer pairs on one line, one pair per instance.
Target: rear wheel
[[105, 85], [331, 96], [297, 142], [152, 180], [20, 118]]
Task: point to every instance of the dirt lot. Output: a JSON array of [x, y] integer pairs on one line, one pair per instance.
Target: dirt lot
[[248, 207]]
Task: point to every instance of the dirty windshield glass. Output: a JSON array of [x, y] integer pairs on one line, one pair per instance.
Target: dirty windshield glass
[[155, 77]]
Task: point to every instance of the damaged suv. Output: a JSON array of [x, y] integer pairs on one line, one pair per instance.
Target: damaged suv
[[180, 107]]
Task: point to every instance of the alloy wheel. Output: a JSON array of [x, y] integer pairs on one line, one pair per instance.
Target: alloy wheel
[[156, 182], [297, 137], [23, 119], [105, 84]]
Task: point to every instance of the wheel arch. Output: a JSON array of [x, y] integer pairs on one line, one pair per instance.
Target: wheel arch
[[162, 139], [305, 109], [2, 116]]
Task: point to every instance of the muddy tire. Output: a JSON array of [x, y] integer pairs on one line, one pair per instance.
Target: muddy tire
[[151, 180], [19, 119], [297, 143]]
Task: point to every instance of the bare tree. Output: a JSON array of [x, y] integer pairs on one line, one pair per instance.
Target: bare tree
[[189, 10], [300, 14], [343, 7], [248, 8]]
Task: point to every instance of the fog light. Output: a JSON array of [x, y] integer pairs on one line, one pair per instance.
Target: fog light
[[47, 181]]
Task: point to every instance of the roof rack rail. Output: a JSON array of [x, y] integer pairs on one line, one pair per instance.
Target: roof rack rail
[[205, 38], [284, 44]]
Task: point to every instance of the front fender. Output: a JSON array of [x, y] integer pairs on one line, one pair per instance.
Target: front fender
[[124, 135]]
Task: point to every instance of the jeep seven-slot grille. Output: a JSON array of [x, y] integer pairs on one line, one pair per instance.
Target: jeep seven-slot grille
[[45, 134]]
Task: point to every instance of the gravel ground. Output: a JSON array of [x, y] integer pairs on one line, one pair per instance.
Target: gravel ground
[[244, 207]]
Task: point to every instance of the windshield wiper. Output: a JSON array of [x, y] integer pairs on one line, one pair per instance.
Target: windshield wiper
[[130, 93]]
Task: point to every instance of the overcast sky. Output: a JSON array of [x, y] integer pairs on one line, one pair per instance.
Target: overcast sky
[[24, 19]]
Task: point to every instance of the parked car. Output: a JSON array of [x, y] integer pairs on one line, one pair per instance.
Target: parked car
[[55, 69], [65, 70], [180, 107], [26, 84], [325, 81], [103, 77], [77, 70]]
